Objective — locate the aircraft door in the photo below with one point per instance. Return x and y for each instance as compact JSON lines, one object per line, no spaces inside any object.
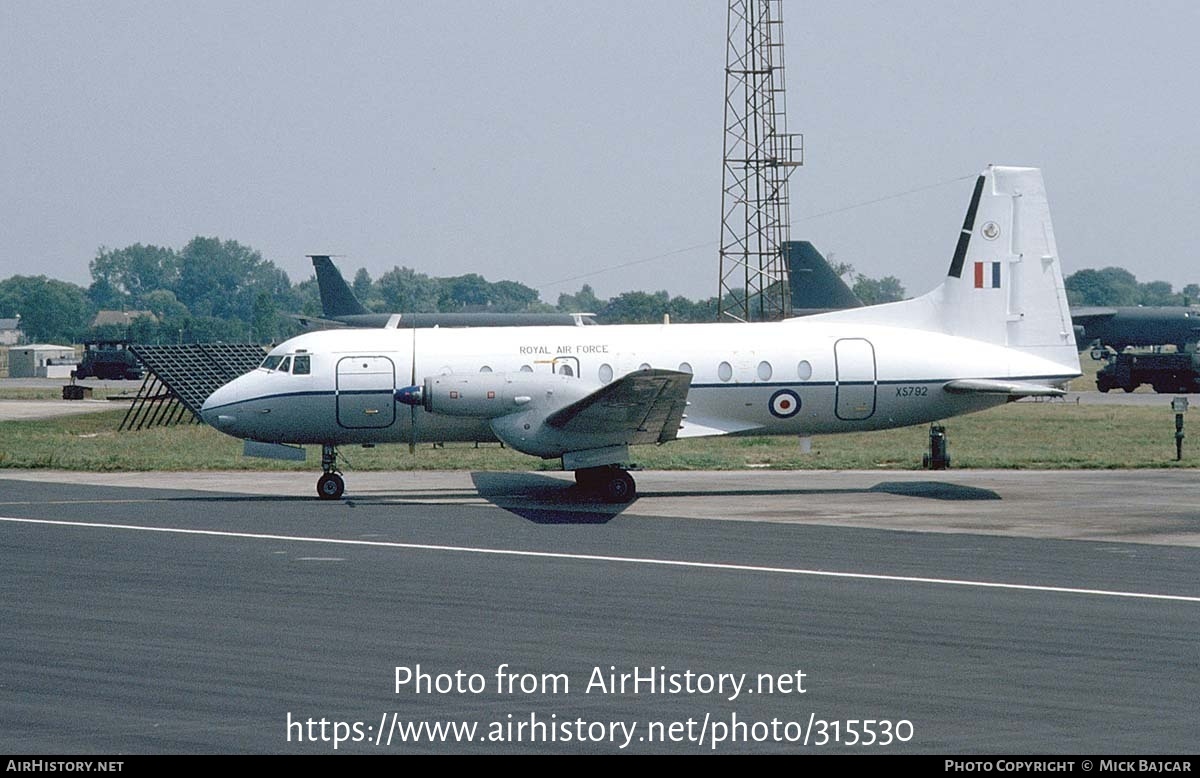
{"x":855,"y":361}
{"x":365,"y":392}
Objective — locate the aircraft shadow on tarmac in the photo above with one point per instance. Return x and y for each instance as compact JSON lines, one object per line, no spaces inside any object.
{"x":538,"y":498}
{"x":932,"y":490}
{"x":544,"y":500}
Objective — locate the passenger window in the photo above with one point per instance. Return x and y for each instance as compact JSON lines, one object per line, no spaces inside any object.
{"x":725,"y":371}
{"x":565,"y":370}
{"x":302,"y":365}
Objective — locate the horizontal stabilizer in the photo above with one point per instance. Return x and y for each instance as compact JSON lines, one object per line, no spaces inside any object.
{"x":1011,"y":388}
{"x":642,"y":407}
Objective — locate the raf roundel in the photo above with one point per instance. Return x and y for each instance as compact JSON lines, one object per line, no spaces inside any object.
{"x":785,"y":404}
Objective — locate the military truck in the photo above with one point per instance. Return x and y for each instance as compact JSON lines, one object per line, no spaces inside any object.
{"x":1177,"y":373}
{"x":109,"y":359}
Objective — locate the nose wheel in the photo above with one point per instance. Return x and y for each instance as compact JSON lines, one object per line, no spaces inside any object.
{"x":331,"y":485}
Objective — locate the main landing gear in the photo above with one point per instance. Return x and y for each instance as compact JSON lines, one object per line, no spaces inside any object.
{"x":613,"y":484}
{"x":330,"y":486}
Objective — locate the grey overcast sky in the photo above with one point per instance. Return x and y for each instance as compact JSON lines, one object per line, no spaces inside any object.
{"x":546,"y":141}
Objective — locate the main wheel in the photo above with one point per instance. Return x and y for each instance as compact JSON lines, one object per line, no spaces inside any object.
{"x":591,"y":479}
{"x":330,"y":486}
{"x":619,"y":488}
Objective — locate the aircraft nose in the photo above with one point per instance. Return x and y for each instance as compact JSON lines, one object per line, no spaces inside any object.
{"x":219,"y":410}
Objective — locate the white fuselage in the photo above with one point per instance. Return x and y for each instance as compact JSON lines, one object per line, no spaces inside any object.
{"x":799,"y":377}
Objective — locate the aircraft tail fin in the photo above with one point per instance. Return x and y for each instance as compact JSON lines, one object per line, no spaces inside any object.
{"x":1005,"y":283}
{"x":337,"y":299}
{"x":814,"y":284}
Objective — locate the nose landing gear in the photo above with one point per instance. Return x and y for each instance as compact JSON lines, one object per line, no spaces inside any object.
{"x":331,"y":485}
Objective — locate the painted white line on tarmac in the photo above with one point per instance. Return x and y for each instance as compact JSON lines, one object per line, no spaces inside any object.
{"x":618,"y":559}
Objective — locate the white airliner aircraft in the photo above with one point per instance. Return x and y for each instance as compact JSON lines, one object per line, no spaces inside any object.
{"x":997,"y":329}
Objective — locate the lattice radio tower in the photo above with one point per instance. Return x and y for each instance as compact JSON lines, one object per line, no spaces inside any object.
{"x":759,"y":156}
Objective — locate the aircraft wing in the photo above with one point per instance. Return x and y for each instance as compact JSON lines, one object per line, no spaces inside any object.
{"x":643,"y":407}
{"x":315,"y":322}
{"x":1089,"y":315}
{"x":1014,"y":389}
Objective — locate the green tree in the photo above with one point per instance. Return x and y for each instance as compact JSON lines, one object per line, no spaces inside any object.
{"x":636,"y":308}
{"x":104,"y":296}
{"x":51,"y":311}
{"x":367,"y":292}
{"x":404,"y":290}
{"x":362,"y":285}
{"x":265,"y":326}
{"x":144,"y":329}
{"x":512,"y":296}
{"x":125,"y":276}
{"x":875,"y":291}
{"x":684,"y":310}
{"x":470,"y":292}
{"x":1157,"y":293}
{"x":209,"y":329}
{"x":1110,"y":286}
{"x":222,"y":279}
{"x":305,"y":298}
{"x":162,"y":303}
{"x":583,"y":301}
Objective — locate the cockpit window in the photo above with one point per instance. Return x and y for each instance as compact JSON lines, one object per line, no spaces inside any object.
{"x":286,"y":365}
{"x":270,"y":363}
{"x":302,"y":365}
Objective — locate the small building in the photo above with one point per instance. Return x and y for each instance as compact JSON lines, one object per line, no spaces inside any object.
{"x":10,"y":331}
{"x":121,"y":318}
{"x":41,"y":360}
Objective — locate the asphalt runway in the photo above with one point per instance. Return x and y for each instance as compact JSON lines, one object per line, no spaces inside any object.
{"x":234,"y":615}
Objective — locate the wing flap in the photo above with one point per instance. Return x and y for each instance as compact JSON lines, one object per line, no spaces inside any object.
{"x":1013,"y":389}
{"x":642,"y":407}
{"x":700,"y":427}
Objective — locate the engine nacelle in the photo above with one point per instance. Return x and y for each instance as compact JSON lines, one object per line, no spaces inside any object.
{"x":492,"y":395}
